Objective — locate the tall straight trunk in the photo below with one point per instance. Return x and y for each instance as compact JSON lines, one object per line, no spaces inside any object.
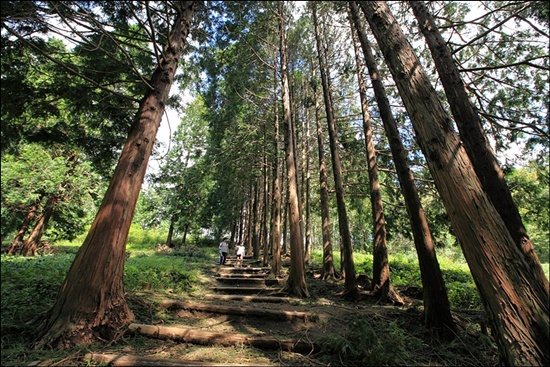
{"x":18,"y":240}
{"x":350,"y":284}
{"x":285,"y":213}
{"x":250,"y":221}
{"x":185,"y":231}
{"x":265,"y":215}
{"x":475,"y":142}
{"x":276,"y":202}
{"x":256,"y":220}
{"x":515,"y":299}
{"x":307,"y":185}
{"x":90,"y":304}
{"x":170,"y":232}
{"x":242,"y":219}
{"x":296,"y":281}
{"x":328,"y":258}
{"x":437,"y":309}
{"x":381,"y":282}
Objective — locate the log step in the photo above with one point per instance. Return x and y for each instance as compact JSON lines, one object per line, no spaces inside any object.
{"x":203,"y":337}
{"x":248,"y":281}
{"x":252,"y":298}
{"x":133,"y":360}
{"x":243,"y":275}
{"x":248,"y":290}
{"x":244,"y":270}
{"x":240,"y":311}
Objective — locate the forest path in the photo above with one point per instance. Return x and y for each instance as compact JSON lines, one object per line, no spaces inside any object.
{"x":246,"y":311}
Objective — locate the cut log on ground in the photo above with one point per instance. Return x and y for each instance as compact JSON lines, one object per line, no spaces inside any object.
{"x":131,"y":360}
{"x":202,"y":337}
{"x":240,"y":311}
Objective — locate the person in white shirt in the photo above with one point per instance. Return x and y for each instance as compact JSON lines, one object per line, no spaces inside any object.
{"x":224,"y":249}
{"x":240,"y":254}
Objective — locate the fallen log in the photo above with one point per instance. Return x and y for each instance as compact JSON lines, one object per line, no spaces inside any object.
{"x":203,"y":337}
{"x":240,"y":311}
{"x":132,"y":360}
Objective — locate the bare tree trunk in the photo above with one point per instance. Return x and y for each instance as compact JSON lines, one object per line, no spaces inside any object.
{"x":265,"y":215}
{"x":350,"y":285}
{"x":250,"y":221}
{"x":277,"y":202}
{"x":475,"y":142}
{"x":437,"y":310}
{"x":170,"y":233}
{"x":328,"y":259}
{"x":256,"y":220}
{"x":381,"y":282}
{"x":296,"y":281}
{"x":185,"y":231}
{"x":90,"y":304}
{"x":30,"y":246}
{"x":307,"y":178}
{"x":18,"y":240}
{"x":514,"y":298}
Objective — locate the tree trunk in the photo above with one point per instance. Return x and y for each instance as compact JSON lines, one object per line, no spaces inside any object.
{"x":514,"y":298}
{"x":30,"y":246}
{"x":296,"y":282}
{"x":185,"y":231}
{"x":17,"y":242}
{"x":307,"y":191}
{"x":276,"y":202}
{"x":381,"y":282}
{"x":437,"y":310}
{"x":256,"y":220}
{"x":250,"y":221}
{"x":170,"y":233}
{"x":90,"y":304}
{"x":350,"y":285}
{"x":475,"y":142}
{"x":328,"y":260}
{"x":265,"y":211}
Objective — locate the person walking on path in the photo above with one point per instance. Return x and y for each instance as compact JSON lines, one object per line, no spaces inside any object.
{"x":240,"y":254}
{"x":224,"y":249}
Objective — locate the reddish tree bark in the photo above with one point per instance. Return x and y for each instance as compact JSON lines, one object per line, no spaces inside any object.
{"x":515,"y":299}
{"x":90,"y":304}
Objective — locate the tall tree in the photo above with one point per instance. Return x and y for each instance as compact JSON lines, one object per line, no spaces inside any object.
{"x":381,"y":281}
{"x":276,"y":202}
{"x":515,"y":299}
{"x":472,"y":135}
{"x":437,"y":310}
{"x":91,"y":303}
{"x":328,"y":260}
{"x":350,"y":284}
{"x":296,"y":281}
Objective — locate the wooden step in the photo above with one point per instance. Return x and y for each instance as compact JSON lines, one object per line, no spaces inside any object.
{"x":244,"y":270}
{"x":204,"y":337}
{"x":240,"y":311}
{"x":133,"y":360}
{"x":247,"y":290}
{"x":248,"y":281}
{"x":250,"y":298}
{"x":243,"y":275}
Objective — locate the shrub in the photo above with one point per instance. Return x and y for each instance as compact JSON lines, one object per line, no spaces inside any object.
{"x":371,"y":343}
